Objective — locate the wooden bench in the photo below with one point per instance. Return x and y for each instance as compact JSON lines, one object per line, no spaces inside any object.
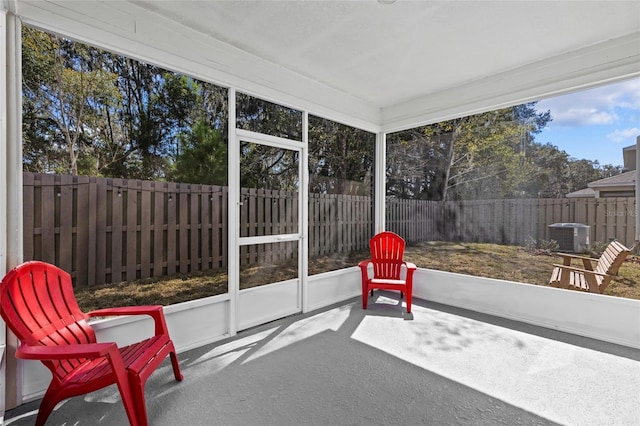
{"x":595,"y":274}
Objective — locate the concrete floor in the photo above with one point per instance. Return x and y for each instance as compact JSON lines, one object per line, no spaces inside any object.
{"x":346,"y":366}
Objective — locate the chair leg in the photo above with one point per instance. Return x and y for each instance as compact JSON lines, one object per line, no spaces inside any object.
{"x":137,"y":391}
{"x":176,"y":366}
{"x":408,"y":302}
{"x":365,"y":298}
{"x":129,"y":398}
{"x":47,"y":405}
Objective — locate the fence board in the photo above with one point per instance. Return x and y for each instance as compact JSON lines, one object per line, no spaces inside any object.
{"x":83,"y":214}
{"x":115,"y":195}
{"x":102,"y":253}
{"x":131,"y":230}
{"x":159,"y":232}
{"x":65,"y":222}
{"x":630,"y":215}
{"x":47,"y":218}
{"x":146,"y":233}
{"x":194,"y":228}
{"x":216,"y":238}
{"x":205,"y":228}
{"x":183,"y":229}
{"x":171,"y":203}
{"x":28,"y":200}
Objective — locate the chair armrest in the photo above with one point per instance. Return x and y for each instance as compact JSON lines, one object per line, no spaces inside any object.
{"x":364,"y":272}
{"x":410,"y":266}
{"x":154,"y":311}
{"x":364,"y":263}
{"x":585,"y":271}
{"x":126,"y":310}
{"x":87,"y":350}
{"x":574,"y":256}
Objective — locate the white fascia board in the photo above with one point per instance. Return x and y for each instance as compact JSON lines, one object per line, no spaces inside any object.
{"x":609,"y":186}
{"x":606,"y":62}
{"x":130,"y":30}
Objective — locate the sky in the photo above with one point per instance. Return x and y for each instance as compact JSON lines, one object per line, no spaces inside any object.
{"x":594,"y":124}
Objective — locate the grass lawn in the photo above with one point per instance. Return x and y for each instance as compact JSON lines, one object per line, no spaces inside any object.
{"x":480,"y":259}
{"x":511,"y":263}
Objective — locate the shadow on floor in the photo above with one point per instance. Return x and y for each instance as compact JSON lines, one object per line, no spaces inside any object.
{"x":345,"y":366}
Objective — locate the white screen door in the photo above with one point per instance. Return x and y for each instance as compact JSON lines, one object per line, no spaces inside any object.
{"x":270,"y":232}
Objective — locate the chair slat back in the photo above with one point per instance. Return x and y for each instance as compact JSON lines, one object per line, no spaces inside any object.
{"x":387,"y":251}
{"x":38,"y":304}
{"x":612,"y":258}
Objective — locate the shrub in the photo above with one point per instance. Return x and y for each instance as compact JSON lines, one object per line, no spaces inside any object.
{"x":549,"y":246}
{"x":531,"y":245}
{"x":597,"y":248}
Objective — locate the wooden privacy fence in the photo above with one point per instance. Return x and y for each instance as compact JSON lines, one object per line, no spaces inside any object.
{"x":511,"y":221}
{"x":339,"y":224}
{"x":111,"y":230}
{"x":414,"y":220}
{"x":106,"y":230}
{"x":609,"y":218}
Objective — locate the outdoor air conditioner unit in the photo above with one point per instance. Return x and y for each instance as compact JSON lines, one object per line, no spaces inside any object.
{"x":572,"y":237}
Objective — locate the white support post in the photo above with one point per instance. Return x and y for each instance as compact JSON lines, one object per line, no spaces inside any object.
{"x":233,"y":211}
{"x":637,"y":233}
{"x":11,"y":217}
{"x":380,"y":182}
{"x":303,"y":200}
{"x":11,"y":246}
{"x":4,"y":77}
{"x":3,"y":197}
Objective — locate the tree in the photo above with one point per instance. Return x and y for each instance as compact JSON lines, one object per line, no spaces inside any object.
{"x":580,"y":173}
{"x":88,"y":111}
{"x":202,"y":157}
{"x":341,"y":158}
{"x":267,"y":167}
{"x":62,"y":91}
{"x":548,"y":168}
{"x":139,"y":138}
{"x":416,"y":164}
{"x":266,"y":117}
{"x":479,"y":156}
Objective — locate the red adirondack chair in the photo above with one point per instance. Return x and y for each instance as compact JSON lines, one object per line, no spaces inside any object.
{"x":387,"y":251}
{"x":38,"y":304}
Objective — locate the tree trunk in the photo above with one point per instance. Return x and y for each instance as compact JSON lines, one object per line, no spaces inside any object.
{"x":450,"y":160}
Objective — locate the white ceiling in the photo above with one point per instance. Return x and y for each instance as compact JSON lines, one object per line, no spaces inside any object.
{"x":388,"y":53}
{"x":392,"y":60}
